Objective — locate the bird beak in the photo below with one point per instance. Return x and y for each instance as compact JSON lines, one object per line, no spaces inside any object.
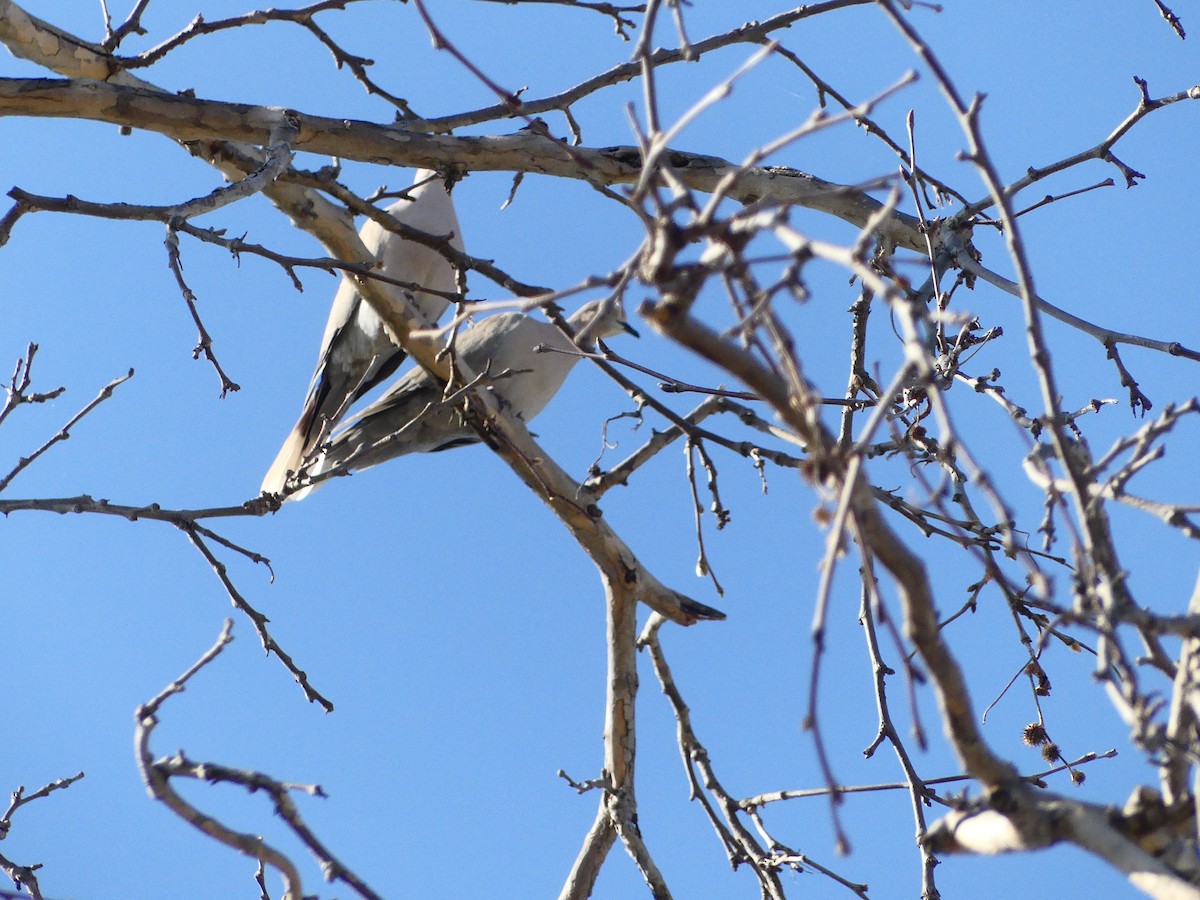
{"x":630,"y":329}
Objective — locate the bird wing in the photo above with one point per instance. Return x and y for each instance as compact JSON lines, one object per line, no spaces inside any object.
{"x":412,"y":417}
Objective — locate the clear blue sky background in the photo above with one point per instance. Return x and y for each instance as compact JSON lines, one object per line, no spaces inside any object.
{"x":448,"y":615}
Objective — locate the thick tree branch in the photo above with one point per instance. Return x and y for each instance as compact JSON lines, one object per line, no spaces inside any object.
{"x":188,"y":119}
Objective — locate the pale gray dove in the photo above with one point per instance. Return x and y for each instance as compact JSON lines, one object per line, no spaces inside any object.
{"x":524,"y":360}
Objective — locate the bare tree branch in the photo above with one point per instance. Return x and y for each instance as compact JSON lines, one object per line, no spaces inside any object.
{"x":187,"y":119}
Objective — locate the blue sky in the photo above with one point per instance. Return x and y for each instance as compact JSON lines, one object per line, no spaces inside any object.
{"x":448,"y":615}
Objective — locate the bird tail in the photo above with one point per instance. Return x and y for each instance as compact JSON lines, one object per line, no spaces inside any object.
{"x":309,"y":432}
{"x":287,"y":461}
{"x":295,"y":456}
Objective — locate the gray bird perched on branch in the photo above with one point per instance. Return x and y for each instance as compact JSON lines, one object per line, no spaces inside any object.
{"x":523,"y":359}
{"x":357,"y":352}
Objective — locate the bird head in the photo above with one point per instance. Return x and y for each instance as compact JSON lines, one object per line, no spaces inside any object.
{"x":600,"y":319}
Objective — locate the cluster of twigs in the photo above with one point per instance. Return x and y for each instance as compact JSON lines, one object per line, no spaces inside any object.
{"x":903,"y":414}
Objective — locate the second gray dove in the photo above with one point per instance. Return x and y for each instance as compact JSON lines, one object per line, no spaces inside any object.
{"x":524,"y":360}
